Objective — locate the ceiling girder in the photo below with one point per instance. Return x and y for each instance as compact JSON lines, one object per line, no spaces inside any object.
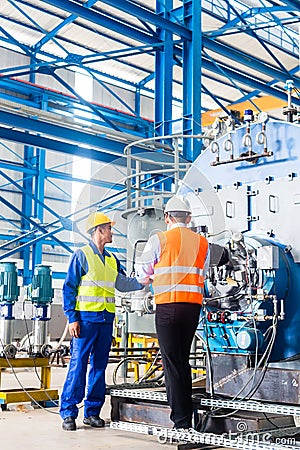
{"x":104,"y":21}
{"x":295,"y":4}
{"x":151,"y":17}
{"x":248,"y":60}
{"x":247,"y":80}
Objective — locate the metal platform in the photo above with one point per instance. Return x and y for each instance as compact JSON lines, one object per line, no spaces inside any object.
{"x":44,"y":394}
{"x":140,"y":394}
{"x":250,"y":441}
{"x":252,"y":406}
{"x":147,"y":412}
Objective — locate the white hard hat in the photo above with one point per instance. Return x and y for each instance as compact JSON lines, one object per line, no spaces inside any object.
{"x":177,"y":204}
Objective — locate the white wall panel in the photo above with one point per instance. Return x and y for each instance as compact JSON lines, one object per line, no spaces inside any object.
{"x":12,"y":59}
{"x":105,"y":98}
{"x":48,"y":81}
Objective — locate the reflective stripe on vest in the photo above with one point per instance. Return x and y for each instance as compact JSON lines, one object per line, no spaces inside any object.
{"x":178,"y":288}
{"x":178,"y":275}
{"x":97,"y":287}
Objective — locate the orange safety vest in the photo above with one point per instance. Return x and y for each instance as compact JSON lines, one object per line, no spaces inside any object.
{"x":178,"y":275}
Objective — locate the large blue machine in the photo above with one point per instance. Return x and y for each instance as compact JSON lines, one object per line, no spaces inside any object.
{"x":245,"y":195}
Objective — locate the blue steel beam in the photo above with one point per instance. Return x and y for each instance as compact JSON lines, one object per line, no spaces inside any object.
{"x":17,"y":168}
{"x":159,"y":81}
{"x":13,"y":86}
{"x":164,"y":75}
{"x":257,"y":37}
{"x":52,"y":174}
{"x":85,"y":102}
{"x":248,"y":60}
{"x":63,"y":103}
{"x":257,"y":63}
{"x":18,"y":44}
{"x":109,"y":90}
{"x":64,"y":133}
{"x":109,"y":156}
{"x":191,"y":66}
{"x":32,"y":222}
{"x":261,"y":26}
{"x":29,"y":194}
{"x":39,"y":193}
{"x":50,"y":35}
{"x":149,"y":16}
{"x":104,"y":21}
{"x":67,"y":177}
{"x":256,"y":93}
{"x":250,"y":13}
{"x":26,"y":206}
{"x":74,"y":58}
{"x":225,"y":18}
{"x":31,"y":20}
{"x":227,"y":111}
{"x":246,"y":57}
{"x":10,"y":70}
{"x":245,"y":79}
{"x":65,"y":40}
{"x":34,"y":241}
{"x":91,"y":106}
{"x":295,"y":4}
{"x":55,"y":145}
{"x":57,"y":175}
{"x":31,"y":242}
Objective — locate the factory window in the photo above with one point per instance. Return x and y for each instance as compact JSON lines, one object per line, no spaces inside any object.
{"x":84,"y":84}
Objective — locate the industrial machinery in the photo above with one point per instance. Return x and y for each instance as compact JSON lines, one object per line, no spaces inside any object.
{"x":41,"y":294}
{"x":251,"y":320}
{"x":139,"y":305}
{"x":244,"y":190}
{"x":9,"y":293}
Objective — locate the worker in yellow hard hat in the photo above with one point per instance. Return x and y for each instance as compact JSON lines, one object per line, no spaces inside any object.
{"x":95,"y":219}
{"x":89,"y":304}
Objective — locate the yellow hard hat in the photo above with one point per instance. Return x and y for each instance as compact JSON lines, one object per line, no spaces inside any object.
{"x":95,"y":219}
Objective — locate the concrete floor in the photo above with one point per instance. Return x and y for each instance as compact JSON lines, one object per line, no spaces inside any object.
{"x":23,"y":427}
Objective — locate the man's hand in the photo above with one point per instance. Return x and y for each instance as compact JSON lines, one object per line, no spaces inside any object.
{"x":74,"y":329}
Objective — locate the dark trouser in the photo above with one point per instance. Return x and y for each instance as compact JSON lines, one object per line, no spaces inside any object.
{"x":176,"y":324}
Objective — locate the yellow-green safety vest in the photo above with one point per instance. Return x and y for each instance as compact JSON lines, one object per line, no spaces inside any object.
{"x":97,"y":288}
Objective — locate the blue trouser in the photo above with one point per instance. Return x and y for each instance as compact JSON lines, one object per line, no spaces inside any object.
{"x":94,"y":342}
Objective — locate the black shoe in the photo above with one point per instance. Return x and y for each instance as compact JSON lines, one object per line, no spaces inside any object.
{"x":69,"y":424}
{"x":94,"y":421}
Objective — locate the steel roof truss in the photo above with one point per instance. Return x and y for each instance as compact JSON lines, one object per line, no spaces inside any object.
{"x":151,"y":17}
{"x":101,"y":19}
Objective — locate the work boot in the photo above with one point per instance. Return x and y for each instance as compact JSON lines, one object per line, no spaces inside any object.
{"x":94,"y":421}
{"x":69,"y":424}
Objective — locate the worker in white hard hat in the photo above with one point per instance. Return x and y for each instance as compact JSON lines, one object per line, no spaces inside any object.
{"x":175,"y":262}
{"x":89,"y":304}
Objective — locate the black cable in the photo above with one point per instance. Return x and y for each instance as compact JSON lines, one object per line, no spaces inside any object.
{"x":33,"y":359}
{"x":21,"y":385}
{"x":270,"y":421}
{"x":264,"y":357}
